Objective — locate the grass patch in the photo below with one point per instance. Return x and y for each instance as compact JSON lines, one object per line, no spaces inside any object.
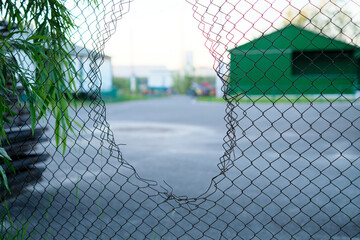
{"x":282,"y":99}
{"x":121,"y":98}
{"x":8,"y":230}
{"x":134,"y":97}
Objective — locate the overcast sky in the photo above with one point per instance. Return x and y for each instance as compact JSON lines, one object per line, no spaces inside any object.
{"x":161,"y":32}
{"x":158,"y":32}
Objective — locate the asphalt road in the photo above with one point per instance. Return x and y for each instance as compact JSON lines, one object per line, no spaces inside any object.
{"x":177,"y":140}
{"x":296,"y":174}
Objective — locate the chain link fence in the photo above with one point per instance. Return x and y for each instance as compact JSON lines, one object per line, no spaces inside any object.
{"x":290,"y":168}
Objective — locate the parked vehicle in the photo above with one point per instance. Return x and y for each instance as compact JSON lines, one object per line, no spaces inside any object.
{"x":202,"y":89}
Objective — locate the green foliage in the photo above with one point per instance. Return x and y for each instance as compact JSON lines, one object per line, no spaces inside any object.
{"x":131,"y":97}
{"x":208,"y":79}
{"x":122,"y":84}
{"x":178,"y":85}
{"x":333,"y":19}
{"x":5,"y":157}
{"x":182,"y":83}
{"x":39,"y":31}
{"x":12,"y":232}
{"x":46,"y":25}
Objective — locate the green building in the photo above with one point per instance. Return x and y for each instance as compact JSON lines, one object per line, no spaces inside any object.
{"x":294,"y":61}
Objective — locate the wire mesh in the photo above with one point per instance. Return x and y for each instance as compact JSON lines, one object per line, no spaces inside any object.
{"x":290,"y":168}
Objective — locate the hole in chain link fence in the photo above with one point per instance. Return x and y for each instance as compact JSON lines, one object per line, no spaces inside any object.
{"x":290,"y":162}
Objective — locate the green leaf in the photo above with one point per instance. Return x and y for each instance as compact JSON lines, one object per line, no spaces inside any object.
{"x":48,"y":49}
{"x":82,"y":128}
{"x":4,"y":154}
{"x":5,"y":157}
{"x":13,"y":33}
{"x":3,"y":175}
{"x":33,"y":37}
{"x":33,"y":117}
{"x":57,"y":130}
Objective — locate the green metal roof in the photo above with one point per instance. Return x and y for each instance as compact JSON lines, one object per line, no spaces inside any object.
{"x":294,"y":38}
{"x":357,"y":54}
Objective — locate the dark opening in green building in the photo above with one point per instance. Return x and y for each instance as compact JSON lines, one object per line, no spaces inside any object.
{"x":294,"y":61}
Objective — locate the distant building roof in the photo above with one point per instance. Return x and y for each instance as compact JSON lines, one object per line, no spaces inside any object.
{"x":85,"y":52}
{"x":139,"y":71}
{"x":294,"y":38}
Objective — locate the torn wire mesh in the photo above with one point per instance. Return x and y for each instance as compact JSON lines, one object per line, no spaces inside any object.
{"x":290,"y":167}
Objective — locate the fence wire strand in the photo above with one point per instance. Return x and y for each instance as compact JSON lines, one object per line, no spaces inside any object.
{"x":290,"y":168}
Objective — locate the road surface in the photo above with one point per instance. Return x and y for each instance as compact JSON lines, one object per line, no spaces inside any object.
{"x":296,"y":174}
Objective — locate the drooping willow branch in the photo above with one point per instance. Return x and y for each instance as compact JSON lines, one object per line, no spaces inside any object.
{"x":39,"y":31}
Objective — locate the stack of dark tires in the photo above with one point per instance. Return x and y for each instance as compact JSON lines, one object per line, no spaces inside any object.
{"x":20,"y":144}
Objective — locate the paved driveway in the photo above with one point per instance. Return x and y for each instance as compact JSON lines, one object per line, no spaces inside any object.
{"x":296,"y":174}
{"x":177,"y":140}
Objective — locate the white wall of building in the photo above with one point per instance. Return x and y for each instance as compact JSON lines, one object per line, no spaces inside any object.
{"x":106,"y":75}
{"x":160,"y":79}
{"x":87,"y":79}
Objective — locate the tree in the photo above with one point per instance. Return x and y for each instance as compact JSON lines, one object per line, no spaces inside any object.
{"x":330,"y":18}
{"x":40,"y":31}
{"x":182,"y":83}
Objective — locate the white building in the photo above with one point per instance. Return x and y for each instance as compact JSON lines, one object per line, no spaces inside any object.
{"x":160,"y":80}
{"x":90,"y":72}
{"x":155,"y":77}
